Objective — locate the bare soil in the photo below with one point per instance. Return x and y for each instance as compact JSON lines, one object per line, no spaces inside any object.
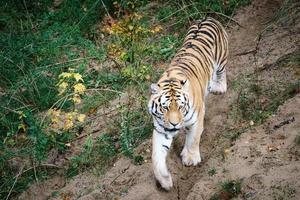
{"x":264,"y":158}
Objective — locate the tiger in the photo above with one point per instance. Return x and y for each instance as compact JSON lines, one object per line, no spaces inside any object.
{"x":177,"y":100}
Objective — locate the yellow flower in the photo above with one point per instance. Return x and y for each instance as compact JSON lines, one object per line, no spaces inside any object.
{"x":53,"y":112}
{"x":130,"y":27}
{"x":76,"y":99}
{"x":156,"y":29}
{"x":79,"y":88}
{"x":69,"y":116}
{"x":54,"y":120}
{"x":22,"y":127}
{"x":65,"y":75}
{"x":21,"y":114}
{"x":81,"y":117}
{"x":68,"y":124}
{"x":77,"y":77}
{"x":137,"y":16}
{"x":62,"y":87}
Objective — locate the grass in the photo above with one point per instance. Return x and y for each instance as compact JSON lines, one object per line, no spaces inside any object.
{"x":262,"y":92}
{"x":257,"y":101}
{"x":297,"y":139}
{"x":212,"y":171}
{"x":228,"y":190}
{"x":42,"y":39}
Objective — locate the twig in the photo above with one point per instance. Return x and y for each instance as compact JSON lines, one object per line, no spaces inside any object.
{"x":82,"y":136}
{"x":122,"y":172}
{"x":212,"y":12}
{"x":34,"y":170}
{"x":41,"y":165}
{"x":57,"y":102}
{"x":246,"y":52}
{"x":178,"y":190}
{"x":16,"y":179}
{"x":68,"y":61}
{"x":28,"y":16}
{"x":116,"y":63}
{"x":106,"y":10}
{"x":105,"y":89}
{"x":87,"y":12}
{"x":16,"y":112}
{"x":179,"y":10}
{"x":285,"y":122}
{"x":230,"y":18}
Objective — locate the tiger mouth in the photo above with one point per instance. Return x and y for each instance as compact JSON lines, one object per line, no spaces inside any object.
{"x":171,"y":129}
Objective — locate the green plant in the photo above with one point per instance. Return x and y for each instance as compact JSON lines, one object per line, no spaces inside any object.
{"x":138,"y":160}
{"x":297,"y":139}
{"x":95,"y":154}
{"x":134,"y":128}
{"x":39,"y":45}
{"x":232,"y":187}
{"x":212,"y":171}
{"x":229,"y":189}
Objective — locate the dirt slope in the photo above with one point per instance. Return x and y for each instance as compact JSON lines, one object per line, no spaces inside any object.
{"x":265,"y":159}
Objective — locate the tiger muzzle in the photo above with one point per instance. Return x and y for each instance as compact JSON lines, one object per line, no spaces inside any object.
{"x":171,"y":129}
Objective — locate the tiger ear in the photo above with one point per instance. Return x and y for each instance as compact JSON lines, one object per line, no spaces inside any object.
{"x":154,"y":88}
{"x":185,"y":85}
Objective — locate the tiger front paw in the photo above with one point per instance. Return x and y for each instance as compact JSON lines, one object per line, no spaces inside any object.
{"x":165,"y":181}
{"x":190,"y":158}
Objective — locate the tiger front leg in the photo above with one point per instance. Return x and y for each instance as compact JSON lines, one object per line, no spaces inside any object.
{"x":160,"y":145}
{"x":191,"y":153}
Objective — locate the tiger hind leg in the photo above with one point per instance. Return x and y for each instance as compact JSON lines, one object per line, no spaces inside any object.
{"x":218,"y":83}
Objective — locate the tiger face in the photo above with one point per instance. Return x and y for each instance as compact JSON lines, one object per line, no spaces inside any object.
{"x":169,"y":105}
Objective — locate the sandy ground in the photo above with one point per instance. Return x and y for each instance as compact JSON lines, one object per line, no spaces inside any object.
{"x":265,"y":158}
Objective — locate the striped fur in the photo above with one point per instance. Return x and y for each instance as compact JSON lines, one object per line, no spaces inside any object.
{"x":177,"y":100}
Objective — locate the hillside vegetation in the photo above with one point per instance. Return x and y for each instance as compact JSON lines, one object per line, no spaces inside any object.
{"x":62,"y":60}
{"x":74,"y":87}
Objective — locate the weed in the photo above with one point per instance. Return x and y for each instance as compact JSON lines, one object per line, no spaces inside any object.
{"x":297,"y":139}
{"x":232,"y":187}
{"x":99,"y":153}
{"x":212,"y":171}
{"x":229,"y":189}
{"x":138,"y":160}
{"x":256,"y":102}
{"x":55,"y":194}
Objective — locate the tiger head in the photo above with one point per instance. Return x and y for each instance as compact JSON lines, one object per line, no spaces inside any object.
{"x":169,"y":104}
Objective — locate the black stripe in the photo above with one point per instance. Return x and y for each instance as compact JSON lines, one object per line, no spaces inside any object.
{"x":208,"y":34}
{"x":156,"y":115}
{"x":203,"y":65}
{"x":158,"y":130}
{"x":188,"y":54}
{"x":191,"y":116}
{"x":187,"y":67}
{"x":166,"y":147}
{"x":200,"y":50}
{"x":161,"y":125}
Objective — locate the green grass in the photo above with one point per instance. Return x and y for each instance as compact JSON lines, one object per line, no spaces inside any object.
{"x":297,"y":139}
{"x":256,"y":102}
{"x":40,"y":40}
{"x":212,"y":171}
{"x":229,"y":189}
{"x":232,"y":187}
{"x":36,"y":46}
